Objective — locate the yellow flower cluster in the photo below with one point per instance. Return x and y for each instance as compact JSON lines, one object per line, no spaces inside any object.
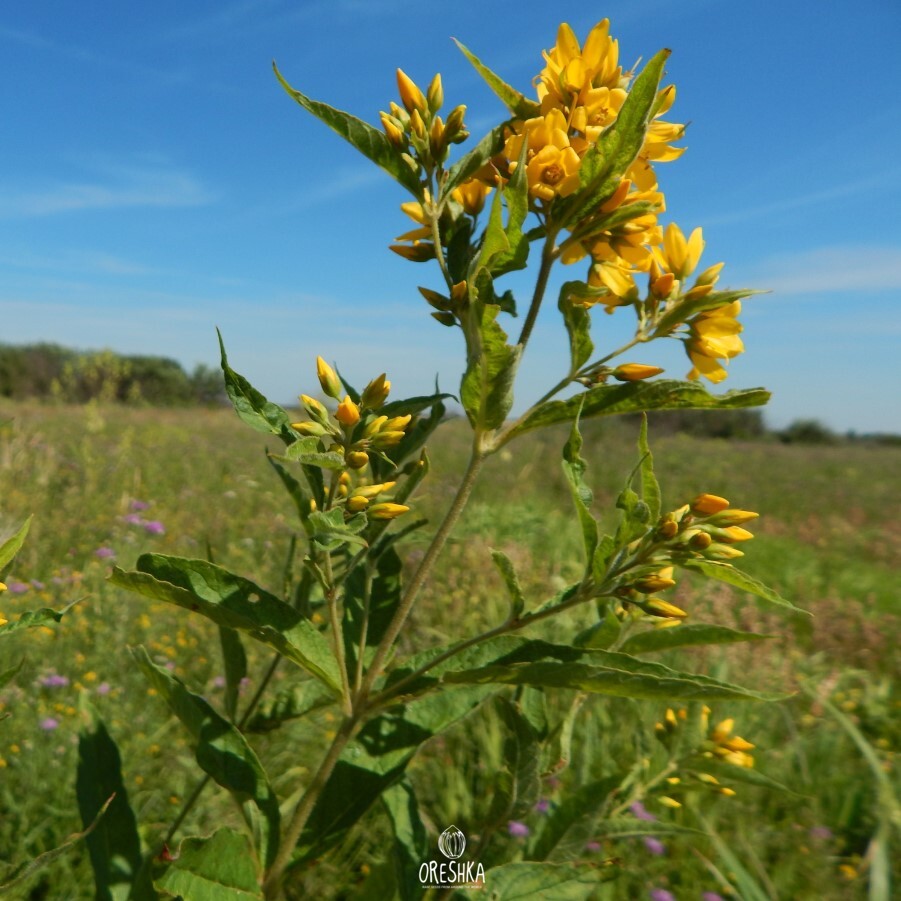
{"x":723,"y":745}
{"x":355,"y":430}
{"x":3,"y":619}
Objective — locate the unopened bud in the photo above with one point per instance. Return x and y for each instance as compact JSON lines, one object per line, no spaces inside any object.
{"x":728,"y":792}
{"x":348,"y":413}
{"x":309,"y":428}
{"x":708,"y":779}
{"x":732,"y":518}
{"x":375,"y":426}
{"x":410,"y":95}
{"x":398,"y":422}
{"x":669,"y":802}
{"x":669,"y":528}
{"x":435,"y":94}
{"x":356,"y":459}
{"x":417,"y":125}
{"x":373,"y":490}
{"x":387,"y":438}
{"x":650,"y":584}
{"x":393,"y":131}
{"x":315,"y":409}
{"x":447,"y":319}
{"x":733,"y":534}
{"x":387,"y":510}
{"x":663,"y":286}
{"x":700,"y":541}
{"x":437,"y":144}
{"x":455,"y":123}
{"x":328,"y":378}
{"x":438,"y":301}
{"x":420,"y":252}
{"x":659,"y":607}
{"x":375,"y":393}
{"x":357,"y":503}
{"x":635,"y":372}
{"x":707,"y":504}
{"x":718,"y":551}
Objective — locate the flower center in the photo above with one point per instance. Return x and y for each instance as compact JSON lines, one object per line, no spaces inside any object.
{"x":552,"y":174}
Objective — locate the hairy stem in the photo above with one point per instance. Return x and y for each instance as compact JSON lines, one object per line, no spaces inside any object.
{"x":548,"y":256}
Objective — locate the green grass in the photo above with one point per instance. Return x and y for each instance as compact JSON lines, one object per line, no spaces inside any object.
{"x":828,"y":539}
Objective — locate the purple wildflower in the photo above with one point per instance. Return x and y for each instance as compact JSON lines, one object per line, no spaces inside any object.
{"x":138,"y":505}
{"x":133,"y":519}
{"x":48,"y":724}
{"x":170,"y":665}
{"x":54,"y":680}
{"x":640,"y":811}
{"x":654,"y":846}
{"x":824,"y":833}
{"x":543,"y":806}
{"x":593,"y":847}
{"x":712,"y":896}
{"x":104,"y":553}
{"x":16,"y":587}
{"x":219,"y":682}
{"x":37,"y":585}
{"x":154,"y":527}
{"x":103,"y":688}
{"x":661,"y":894}
{"x":517,"y":829}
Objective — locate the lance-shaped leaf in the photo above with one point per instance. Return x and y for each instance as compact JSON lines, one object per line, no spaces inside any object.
{"x":625,"y":677}
{"x":368,"y":140}
{"x":223,"y":753}
{"x":684,"y":635}
{"x":486,"y":391}
{"x":13,"y":544}
{"x":411,"y":841}
{"x":607,"y":160}
{"x":514,"y":100}
{"x":505,"y":567}
{"x":218,"y":868}
{"x":635,"y":397}
{"x":650,"y":487}
{"x":526,"y":880}
{"x":725,"y":572}
{"x":691,"y":306}
{"x":235,"y":663}
{"x":113,"y":845}
{"x":491,"y":145}
{"x":235,"y":602}
{"x":32,"y":618}
{"x":516,"y":196}
{"x":577,"y":320}
{"x":574,"y":469}
{"x":251,"y":406}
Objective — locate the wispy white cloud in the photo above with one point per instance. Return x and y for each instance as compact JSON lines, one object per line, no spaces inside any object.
{"x":836,"y":268}
{"x":116,"y":188}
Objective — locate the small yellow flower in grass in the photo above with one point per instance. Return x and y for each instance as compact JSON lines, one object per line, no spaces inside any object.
{"x":348,"y":413}
{"x":387,"y":510}
{"x":672,"y":803}
{"x":635,"y":372}
{"x":713,"y":336}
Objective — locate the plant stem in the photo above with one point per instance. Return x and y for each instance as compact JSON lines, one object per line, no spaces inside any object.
{"x":434,"y":215}
{"x":304,"y":808}
{"x":425,"y":567}
{"x":331,"y":597}
{"x":548,"y":255}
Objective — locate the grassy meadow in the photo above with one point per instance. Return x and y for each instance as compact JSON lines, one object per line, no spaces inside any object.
{"x":106,"y":483}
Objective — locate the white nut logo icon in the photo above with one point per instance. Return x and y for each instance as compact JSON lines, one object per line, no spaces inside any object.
{"x":452,"y":842}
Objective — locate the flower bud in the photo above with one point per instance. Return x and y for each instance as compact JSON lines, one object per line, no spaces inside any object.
{"x":375,"y":393}
{"x":387,"y":510}
{"x":635,"y":372}
{"x":435,"y":94}
{"x":445,"y":318}
{"x":328,"y":378}
{"x":669,"y":528}
{"x":437,"y":144}
{"x":732,"y":518}
{"x":659,"y":607}
{"x":662,"y":287}
{"x":733,"y":534}
{"x":700,"y":541}
{"x":387,"y":438}
{"x":672,"y":803}
{"x":455,"y":124}
{"x":356,"y":459}
{"x":398,"y":422}
{"x":393,"y":131}
{"x":308,"y":428}
{"x":348,"y":413}
{"x":650,"y":584}
{"x":718,"y":551}
{"x":707,"y":504}
{"x":417,"y":126}
{"x":357,"y":503}
{"x":315,"y":409}
{"x":373,"y":490}
{"x":438,"y":301}
{"x":420,"y":252}
{"x":410,"y":95}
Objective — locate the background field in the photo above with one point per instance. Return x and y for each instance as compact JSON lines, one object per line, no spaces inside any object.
{"x":106,"y":483}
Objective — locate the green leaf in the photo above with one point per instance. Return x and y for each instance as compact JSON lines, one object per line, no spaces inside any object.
{"x":516,"y":102}
{"x":370,"y":601}
{"x":725,"y":572}
{"x":294,"y":488}
{"x":9,"y":674}
{"x":223,"y":753}
{"x":574,"y":468}
{"x":329,"y":529}
{"x":522,"y":753}
{"x":368,"y":140}
{"x":622,"y":676}
{"x":13,"y":544}
{"x":32,"y":618}
{"x":494,"y":241}
{"x":113,"y":845}
{"x":607,"y":160}
{"x":411,"y":842}
{"x":691,"y":306}
{"x":635,"y":397}
{"x":749,"y":889}
{"x":229,"y":600}
{"x":650,"y":487}
{"x":516,"y":196}
{"x":235,"y":661}
{"x":289,"y":703}
{"x":505,"y":567}
{"x":525,"y":881}
{"x":251,"y":406}
{"x":218,"y":868}
{"x":602,"y":634}
{"x":685,"y":635}
{"x":558,"y":749}
{"x":577,"y":320}
{"x":486,"y":391}
{"x":300,"y":452}
{"x":491,"y":145}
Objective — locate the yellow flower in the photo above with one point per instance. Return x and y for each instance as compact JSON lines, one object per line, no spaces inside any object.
{"x":713,"y":336}
{"x":348,"y":413}
{"x":552,"y":165}
{"x":708,"y":504}
{"x":678,"y":255}
{"x":728,"y":747}
{"x":375,"y":393}
{"x":471,"y":196}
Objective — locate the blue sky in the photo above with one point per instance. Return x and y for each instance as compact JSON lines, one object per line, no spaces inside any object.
{"x":156,"y":182}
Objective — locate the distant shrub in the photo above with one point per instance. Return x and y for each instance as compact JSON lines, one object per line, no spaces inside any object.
{"x":807,"y":431}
